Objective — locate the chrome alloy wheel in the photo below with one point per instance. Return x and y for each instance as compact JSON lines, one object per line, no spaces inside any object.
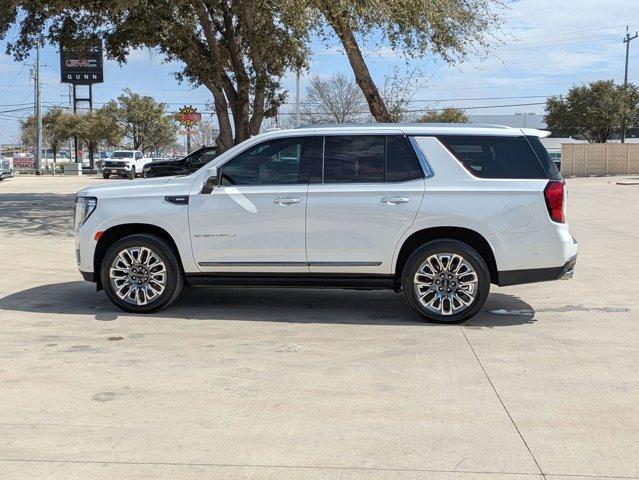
{"x":446,"y":283}
{"x":138,"y":275}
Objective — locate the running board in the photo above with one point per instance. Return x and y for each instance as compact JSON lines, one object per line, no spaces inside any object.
{"x":370,"y":282}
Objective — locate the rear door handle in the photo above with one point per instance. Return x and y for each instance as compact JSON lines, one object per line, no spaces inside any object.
{"x":395,"y":200}
{"x":287,"y":201}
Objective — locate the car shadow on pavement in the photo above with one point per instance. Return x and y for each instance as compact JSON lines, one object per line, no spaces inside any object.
{"x":36,"y":213}
{"x":262,"y":304}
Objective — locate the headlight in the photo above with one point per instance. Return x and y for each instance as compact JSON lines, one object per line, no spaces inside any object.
{"x":84,"y":207}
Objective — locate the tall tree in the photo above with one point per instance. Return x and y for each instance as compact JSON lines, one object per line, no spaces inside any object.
{"x":448,"y":29}
{"x":594,"y":111}
{"x":336,"y":99}
{"x":97,"y":127}
{"x":447,"y":115}
{"x":238,"y":49}
{"x":57,"y":127}
{"x":144,"y":123}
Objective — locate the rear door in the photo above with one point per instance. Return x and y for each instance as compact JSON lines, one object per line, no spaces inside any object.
{"x":361,"y":202}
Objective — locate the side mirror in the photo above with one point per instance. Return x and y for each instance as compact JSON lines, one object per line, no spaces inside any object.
{"x":210,"y":184}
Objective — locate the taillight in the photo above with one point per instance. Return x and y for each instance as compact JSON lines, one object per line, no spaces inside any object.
{"x":555,"y":195}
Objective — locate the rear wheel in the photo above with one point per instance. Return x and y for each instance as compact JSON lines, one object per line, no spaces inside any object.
{"x":141,"y":273}
{"x":446,"y":281}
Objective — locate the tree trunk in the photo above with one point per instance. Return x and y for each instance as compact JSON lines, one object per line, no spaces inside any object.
{"x":360,"y":69}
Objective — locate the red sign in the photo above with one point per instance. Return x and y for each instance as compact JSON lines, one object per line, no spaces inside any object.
{"x":188,"y":116}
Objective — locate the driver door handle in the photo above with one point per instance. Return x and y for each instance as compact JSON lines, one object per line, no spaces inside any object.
{"x":286,"y":201}
{"x":395,"y":200}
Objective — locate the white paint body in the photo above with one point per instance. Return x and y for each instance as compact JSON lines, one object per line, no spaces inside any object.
{"x":127,"y":160}
{"x":335,"y":228}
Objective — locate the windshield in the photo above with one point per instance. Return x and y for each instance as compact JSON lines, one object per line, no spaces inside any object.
{"x":122,"y":155}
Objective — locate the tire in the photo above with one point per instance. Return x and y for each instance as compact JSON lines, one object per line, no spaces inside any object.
{"x":105,"y":176}
{"x":468,"y":281}
{"x":131,"y":174}
{"x":129,"y":299}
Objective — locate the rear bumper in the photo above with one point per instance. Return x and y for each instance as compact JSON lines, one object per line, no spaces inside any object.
{"x":518,"y":277}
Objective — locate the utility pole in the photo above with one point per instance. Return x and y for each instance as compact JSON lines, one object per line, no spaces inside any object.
{"x":627,"y":39}
{"x":38,"y":114}
{"x":298,"y":114}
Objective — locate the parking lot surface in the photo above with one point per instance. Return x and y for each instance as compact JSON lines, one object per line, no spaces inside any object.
{"x":317,"y":384}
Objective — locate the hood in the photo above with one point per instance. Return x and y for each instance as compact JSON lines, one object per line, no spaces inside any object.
{"x":128,"y":188}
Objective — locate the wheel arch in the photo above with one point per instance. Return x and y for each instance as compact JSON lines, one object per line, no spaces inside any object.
{"x":117,"y":232}
{"x":470,"y":237}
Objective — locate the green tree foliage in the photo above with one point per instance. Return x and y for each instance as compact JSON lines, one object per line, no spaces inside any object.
{"x":593,"y":111}
{"x":97,"y":127}
{"x":142,"y":121}
{"x":237,"y":49}
{"x":57,"y":127}
{"x":447,"y":115}
{"x":448,"y":29}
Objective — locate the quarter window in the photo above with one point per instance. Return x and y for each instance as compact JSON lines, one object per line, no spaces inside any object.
{"x":496,"y":157}
{"x":274,"y":162}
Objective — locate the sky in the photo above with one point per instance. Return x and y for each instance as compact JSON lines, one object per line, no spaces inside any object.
{"x":546,"y":47}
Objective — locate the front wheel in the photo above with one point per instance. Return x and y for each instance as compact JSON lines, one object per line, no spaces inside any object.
{"x":132,"y":173}
{"x":446,"y":281}
{"x":105,"y":175}
{"x":141,"y":273}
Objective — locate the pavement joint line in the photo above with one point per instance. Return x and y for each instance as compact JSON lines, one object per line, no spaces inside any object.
{"x":512,"y":420}
{"x":264,"y":466}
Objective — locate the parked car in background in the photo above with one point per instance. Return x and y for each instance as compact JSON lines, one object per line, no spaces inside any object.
{"x":6,"y":168}
{"x":125,"y":163}
{"x":182,"y":166}
{"x":437,"y":212}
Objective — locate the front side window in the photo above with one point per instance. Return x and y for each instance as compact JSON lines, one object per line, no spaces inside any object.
{"x":495,"y":157}
{"x":138,"y":155}
{"x":280,"y":161}
{"x":354,"y":159}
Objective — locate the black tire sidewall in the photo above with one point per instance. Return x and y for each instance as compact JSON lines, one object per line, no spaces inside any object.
{"x":448,"y":246}
{"x":131,"y":173}
{"x":174,"y":280}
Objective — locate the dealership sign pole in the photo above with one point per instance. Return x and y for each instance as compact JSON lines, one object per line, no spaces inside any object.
{"x":81,"y":64}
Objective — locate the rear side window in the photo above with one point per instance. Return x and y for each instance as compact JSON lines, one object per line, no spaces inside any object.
{"x":369,"y":159}
{"x":354,"y":159}
{"x":496,"y":157}
{"x":401,"y":162}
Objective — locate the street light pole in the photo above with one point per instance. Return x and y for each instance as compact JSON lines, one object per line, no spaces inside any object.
{"x":627,"y":39}
{"x":38,"y":114}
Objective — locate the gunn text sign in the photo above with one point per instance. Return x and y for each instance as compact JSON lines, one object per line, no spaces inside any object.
{"x":81,"y":62}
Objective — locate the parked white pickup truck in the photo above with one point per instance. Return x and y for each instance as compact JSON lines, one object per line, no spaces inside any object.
{"x":125,"y":163}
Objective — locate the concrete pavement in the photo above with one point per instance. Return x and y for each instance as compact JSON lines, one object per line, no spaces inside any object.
{"x":317,"y":384}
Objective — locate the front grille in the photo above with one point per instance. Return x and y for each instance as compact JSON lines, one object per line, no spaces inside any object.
{"x":114,"y":164}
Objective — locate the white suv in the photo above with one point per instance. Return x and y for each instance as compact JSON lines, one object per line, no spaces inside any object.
{"x":436,"y":211}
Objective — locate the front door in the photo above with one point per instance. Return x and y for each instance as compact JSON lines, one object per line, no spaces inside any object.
{"x":254,"y":221}
{"x":369,"y":194}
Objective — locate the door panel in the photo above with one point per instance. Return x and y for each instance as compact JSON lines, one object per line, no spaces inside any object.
{"x":250,"y":229}
{"x":254,"y":220}
{"x":354,"y":228}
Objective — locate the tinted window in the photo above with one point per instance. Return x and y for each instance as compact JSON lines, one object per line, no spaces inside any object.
{"x":496,"y":157}
{"x":354,"y":159}
{"x":547,"y":163}
{"x":274,"y":162}
{"x":401,"y":162}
